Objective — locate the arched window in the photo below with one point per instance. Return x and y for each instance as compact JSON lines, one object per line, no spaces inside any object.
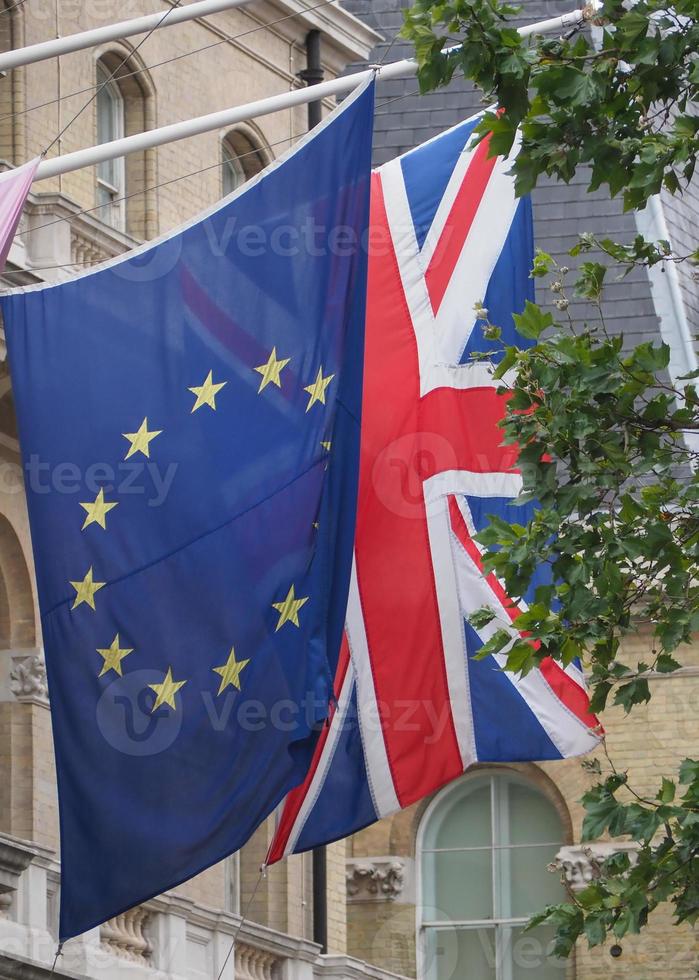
{"x":241,"y":159}
{"x":483,"y":846}
{"x":111,"y":174}
{"x":125,"y":105}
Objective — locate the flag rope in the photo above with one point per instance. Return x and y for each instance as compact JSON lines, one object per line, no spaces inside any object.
{"x":59,"y":952}
{"x":243,"y":920}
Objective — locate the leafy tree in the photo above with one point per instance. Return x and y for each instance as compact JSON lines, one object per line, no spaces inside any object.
{"x":608,"y":443}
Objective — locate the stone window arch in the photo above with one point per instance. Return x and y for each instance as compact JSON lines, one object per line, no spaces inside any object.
{"x":125,"y":105}
{"x":243,"y":155}
{"x":484,"y":845}
{"x":17,"y":622}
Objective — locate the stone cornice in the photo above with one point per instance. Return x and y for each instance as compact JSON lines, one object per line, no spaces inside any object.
{"x":336,"y":967}
{"x":348,"y":38}
{"x":15,"y":852}
{"x":19,"y":968}
{"x":262,"y":937}
{"x":355,"y":38}
{"x":15,"y":855}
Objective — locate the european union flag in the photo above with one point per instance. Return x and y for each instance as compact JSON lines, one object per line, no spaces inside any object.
{"x":189,"y":422}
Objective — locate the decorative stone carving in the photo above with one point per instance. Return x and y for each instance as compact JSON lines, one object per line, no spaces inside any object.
{"x":581,"y":863}
{"x":28,"y":676}
{"x":372,"y":879}
{"x":255,"y":964}
{"x":126,"y":936}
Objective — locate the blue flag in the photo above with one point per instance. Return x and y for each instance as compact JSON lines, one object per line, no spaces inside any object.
{"x":189,"y":422}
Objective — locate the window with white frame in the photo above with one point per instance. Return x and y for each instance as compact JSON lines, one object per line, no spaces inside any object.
{"x":241,"y":159}
{"x":484,"y":847}
{"x":111,"y":174}
{"x":231,"y":874}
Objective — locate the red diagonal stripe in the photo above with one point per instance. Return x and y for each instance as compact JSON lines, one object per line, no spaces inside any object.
{"x":394,"y":560}
{"x":562,"y":685}
{"x":458,"y":225}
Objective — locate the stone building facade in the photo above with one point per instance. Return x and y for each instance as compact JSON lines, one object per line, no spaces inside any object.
{"x":392,"y":866}
{"x":70,"y":223}
{"x":449,"y":881}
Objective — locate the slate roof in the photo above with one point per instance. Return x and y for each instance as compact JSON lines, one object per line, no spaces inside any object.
{"x":561,"y":212}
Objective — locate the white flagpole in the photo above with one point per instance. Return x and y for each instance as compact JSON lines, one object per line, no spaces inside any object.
{"x":113,"y":32}
{"x":229,"y":117}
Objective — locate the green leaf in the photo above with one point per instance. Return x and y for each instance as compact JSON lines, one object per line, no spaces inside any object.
{"x":598,"y":815}
{"x":595,"y":930}
{"x":591,"y":279}
{"x":666,"y":794}
{"x":480,"y":618}
{"x":508,"y":361}
{"x":521,"y":658}
{"x":533,"y":321}
{"x":635,"y":692}
{"x":689,"y":771}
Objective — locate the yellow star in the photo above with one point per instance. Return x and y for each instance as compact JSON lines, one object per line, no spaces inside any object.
{"x":271,"y":371}
{"x":112,"y":657}
{"x":86,"y":590}
{"x":166,"y":691}
{"x":230,"y":672}
{"x":289,"y":609}
{"x":327,"y":446}
{"x":97,"y":511}
{"x":206,"y":393}
{"x":318,"y":388}
{"x":140,"y":440}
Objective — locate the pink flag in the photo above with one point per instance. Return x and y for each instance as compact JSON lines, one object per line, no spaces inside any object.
{"x":14,"y":187}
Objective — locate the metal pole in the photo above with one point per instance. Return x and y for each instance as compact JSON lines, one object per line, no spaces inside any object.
{"x":112,"y":32}
{"x":313,"y":74}
{"x":229,"y":117}
{"x":195,"y":127}
{"x":320,"y":898}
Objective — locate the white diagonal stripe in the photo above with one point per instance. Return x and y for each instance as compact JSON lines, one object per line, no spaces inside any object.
{"x":381,"y":784}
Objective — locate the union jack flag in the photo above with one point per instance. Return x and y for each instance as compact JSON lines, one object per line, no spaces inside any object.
{"x":414,"y":709}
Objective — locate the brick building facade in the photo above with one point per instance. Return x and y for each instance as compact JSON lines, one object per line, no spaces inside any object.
{"x":70,"y":223}
{"x":394,"y":902}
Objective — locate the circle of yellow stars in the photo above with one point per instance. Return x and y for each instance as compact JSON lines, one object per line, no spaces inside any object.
{"x":96,"y":512}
